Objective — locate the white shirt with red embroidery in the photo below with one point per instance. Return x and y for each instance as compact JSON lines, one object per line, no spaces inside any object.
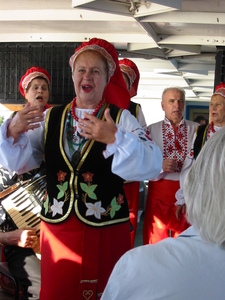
{"x":174,"y":144}
{"x":131,"y":150}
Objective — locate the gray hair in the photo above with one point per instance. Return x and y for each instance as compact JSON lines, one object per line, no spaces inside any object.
{"x":177,"y":88}
{"x":204,"y":190}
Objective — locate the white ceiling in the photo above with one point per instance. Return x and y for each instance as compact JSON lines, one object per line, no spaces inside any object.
{"x":173,"y":42}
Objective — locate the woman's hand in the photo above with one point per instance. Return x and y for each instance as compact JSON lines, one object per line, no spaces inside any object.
{"x":25,"y":238}
{"x":27,"y":118}
{"x":98,"y":130}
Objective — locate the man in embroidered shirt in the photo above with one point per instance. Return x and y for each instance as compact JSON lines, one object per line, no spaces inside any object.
{"x":174,"y":136}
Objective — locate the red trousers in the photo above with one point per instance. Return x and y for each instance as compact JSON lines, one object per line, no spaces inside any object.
{"x":131,"y":190}
{"x":160,"y":220}
{"x":76,"y":259}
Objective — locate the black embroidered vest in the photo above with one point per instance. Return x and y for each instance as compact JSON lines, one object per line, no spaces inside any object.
{"x":133,"y":108}
{"x":91,"y":190}
{"x":201,"y":138}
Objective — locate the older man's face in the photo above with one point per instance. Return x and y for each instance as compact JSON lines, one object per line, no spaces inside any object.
{"x":173,"y":105}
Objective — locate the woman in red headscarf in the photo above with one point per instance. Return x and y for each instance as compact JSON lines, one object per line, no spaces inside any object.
{"x":203,"y":133}
{"x":131,"y":77}
{"x":217,"y":117}
{"x":18,"y":243}
{"x":34,"y":86}
{"x":91,"y":146}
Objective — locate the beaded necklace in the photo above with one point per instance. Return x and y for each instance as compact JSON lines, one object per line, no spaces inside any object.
{"x":94,"y":112}
{"x":74,"y":139}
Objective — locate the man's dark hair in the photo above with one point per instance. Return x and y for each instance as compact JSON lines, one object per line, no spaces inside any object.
{"x":199,"y":118}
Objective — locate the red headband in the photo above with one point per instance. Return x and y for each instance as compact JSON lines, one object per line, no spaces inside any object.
{"x":116,"y":91}
{"x":128,"y":67}
{"x":31,"y":74}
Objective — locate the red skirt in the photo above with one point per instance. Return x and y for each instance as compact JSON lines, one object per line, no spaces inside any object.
{"x":76,"y":260}
{"x":131,"y":190}
{"x":160,"y":220}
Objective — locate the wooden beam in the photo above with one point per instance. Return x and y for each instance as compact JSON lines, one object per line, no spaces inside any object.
{"x":13,"y":107}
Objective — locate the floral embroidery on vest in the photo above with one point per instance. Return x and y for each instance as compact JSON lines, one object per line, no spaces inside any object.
{"x":175,"y":142}
{"x":96,"y":209}
{"x":56,"y":207}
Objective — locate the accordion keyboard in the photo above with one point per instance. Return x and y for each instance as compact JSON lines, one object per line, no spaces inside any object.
{"x":24,"y":205}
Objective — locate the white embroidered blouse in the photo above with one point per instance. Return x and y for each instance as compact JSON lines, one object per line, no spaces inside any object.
{"x":134,"y":158}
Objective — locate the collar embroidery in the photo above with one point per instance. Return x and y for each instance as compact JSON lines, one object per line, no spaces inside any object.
{"x":210,"y":131}
{"x":175,"y":142}
{"x":74,"y":140}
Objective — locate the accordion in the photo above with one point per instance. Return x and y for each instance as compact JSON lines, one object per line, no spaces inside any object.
{"x":24,"y":204}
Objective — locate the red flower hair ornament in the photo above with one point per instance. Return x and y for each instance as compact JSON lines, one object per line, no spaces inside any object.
{"x":31,"y":74}
{"x":128,"y":67}
{"x":116,"y":91}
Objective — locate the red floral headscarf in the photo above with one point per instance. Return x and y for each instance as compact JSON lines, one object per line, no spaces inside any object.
{"x":116,"y":91}
{"x":128,"y":67}
{"x":220,"y":90}
{"x":31,"y":74}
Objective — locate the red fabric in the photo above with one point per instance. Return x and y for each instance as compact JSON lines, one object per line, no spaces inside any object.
{"x":72,"y":251}
{"x":47,"y":106}
{"x":132,"y":194}
{"x":160,"y":211}
{"x":130,"y":64}
{"x":28,"y":73}
{"x":116,"y":91}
